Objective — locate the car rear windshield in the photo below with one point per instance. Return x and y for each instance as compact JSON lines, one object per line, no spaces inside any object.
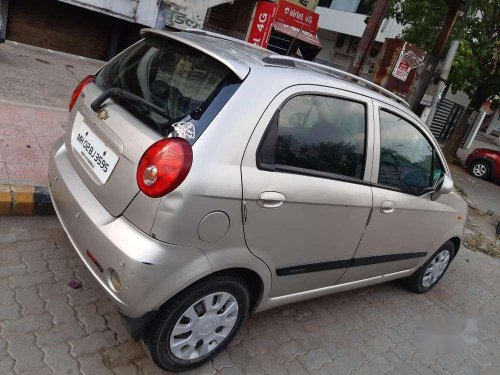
{"x":189,"y":86}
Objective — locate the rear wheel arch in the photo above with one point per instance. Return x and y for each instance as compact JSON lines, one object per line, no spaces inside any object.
{"x":252,"y":279}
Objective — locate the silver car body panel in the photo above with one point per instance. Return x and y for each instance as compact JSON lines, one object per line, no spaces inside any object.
{"x":326,"y":215}
{"x":158,"y":238}
{"x":151,"y":271}
{"x":426,"y":219}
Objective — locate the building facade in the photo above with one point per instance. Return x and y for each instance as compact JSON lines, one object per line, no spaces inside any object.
{"x":341,"y":25}
{"x":95,"y":28}
{"x":102,"y":28}
{"x":78,"y":29}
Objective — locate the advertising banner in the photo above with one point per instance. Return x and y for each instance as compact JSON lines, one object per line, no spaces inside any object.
{"x":297,"y":16}
{"x":407,"y":61}
{"x":261,"y":27}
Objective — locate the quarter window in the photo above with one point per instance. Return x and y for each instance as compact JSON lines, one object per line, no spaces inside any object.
{"x":408,"y":161}
{"x":320,"y":134}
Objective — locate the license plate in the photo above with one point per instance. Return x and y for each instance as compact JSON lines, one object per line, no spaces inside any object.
{"x":94,"y":152}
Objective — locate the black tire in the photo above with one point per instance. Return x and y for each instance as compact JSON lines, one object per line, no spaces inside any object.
{"x":487,"y":169}
{"x":415,"y":281}
{"x":156,"y":339}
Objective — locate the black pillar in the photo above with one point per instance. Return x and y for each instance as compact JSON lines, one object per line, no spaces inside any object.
{"x":4,"y":10}
{"x":114,"y":39}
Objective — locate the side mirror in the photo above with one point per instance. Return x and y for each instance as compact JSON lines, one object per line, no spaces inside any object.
{"x":443,"y":186}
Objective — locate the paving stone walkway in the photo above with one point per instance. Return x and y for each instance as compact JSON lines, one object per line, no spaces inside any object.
{"x":35,"y":89}
{"x":26,"y":138}
{"x":49,"y":328}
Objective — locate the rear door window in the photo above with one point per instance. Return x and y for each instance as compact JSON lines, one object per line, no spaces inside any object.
{"x":188,"y":85}
{"x":318,"y":135}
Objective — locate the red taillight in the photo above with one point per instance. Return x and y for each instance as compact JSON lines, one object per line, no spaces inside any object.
{"x":78,"y":90}
{"x":164,"y":166}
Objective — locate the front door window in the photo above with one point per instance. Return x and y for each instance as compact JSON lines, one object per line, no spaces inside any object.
{"x":408,"y":162}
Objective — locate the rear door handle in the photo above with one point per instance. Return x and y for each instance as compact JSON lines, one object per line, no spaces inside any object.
{"x":271,"y":199}
{"x":388,"y":207}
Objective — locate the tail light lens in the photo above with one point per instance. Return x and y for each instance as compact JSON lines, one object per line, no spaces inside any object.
{"x":164,"y":166}
{"x":79,"y":89}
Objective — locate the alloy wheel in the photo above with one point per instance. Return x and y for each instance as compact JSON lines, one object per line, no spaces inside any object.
{"x":204,"y":326}
{"x":479,"y":170}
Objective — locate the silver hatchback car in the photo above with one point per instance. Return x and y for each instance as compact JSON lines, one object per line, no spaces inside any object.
{"x":201,"y":178}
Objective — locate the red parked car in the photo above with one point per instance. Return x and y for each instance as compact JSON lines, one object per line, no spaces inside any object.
{"x":484,"y":163}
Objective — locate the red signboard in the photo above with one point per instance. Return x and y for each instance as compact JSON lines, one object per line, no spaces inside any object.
{"x":294,"y":15}
{"x":402,"y":70}
{"x":406,"y":62}
{"x":263,"y":19}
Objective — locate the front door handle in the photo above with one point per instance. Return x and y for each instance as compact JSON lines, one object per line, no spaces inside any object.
{"x":388,"y":207}
{"x":271,"y":199}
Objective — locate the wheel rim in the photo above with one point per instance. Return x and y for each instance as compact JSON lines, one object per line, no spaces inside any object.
{"x":479,"y":170}
{"x":436,"y":268}
{"x":204,"y":326}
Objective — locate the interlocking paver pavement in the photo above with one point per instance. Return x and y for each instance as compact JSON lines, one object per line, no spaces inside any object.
{"x":35,"y":91}
{"x":47,"y":327}
{"x":26,"y":138}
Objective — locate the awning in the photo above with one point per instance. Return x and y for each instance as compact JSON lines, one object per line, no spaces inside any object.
{"x":297,"y":33}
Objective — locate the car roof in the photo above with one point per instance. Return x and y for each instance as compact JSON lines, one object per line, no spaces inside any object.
{"x":241,"y":57}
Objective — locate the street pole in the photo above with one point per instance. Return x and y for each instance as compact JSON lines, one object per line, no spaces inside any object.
{"x":368,"y":37}
{"x":428,"y":69}
{"x":442,"y":80}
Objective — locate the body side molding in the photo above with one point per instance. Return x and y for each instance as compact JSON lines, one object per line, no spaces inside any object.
{"x":353,"y":262}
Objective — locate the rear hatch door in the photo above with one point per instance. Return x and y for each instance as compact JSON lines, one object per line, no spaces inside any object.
{"x":105,"y":151}
{"x":185,"y":82}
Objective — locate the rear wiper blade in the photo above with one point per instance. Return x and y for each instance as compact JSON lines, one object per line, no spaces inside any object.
{"x":115,"y":91}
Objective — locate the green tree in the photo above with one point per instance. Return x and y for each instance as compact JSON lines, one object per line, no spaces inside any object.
{"x":476,"y":66}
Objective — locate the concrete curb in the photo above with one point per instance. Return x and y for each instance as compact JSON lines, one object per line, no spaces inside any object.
{"x":25,"y":200}
{"x":29,"y":47}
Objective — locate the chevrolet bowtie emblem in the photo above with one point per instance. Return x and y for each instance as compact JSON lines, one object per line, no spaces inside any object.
{"x":103,"y":114}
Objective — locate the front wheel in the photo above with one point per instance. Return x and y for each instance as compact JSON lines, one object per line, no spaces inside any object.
{"x":427,"y":276}
{"x":197,"y":324}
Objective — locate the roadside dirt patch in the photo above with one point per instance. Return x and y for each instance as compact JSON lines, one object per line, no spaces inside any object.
{"x":480,"y":233}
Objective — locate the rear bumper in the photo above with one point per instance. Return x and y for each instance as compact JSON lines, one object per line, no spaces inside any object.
{"x":150,"y":271}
